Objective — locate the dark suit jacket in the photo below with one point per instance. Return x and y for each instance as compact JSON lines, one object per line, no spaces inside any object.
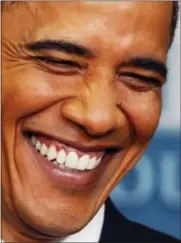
{"x":117,"y":228}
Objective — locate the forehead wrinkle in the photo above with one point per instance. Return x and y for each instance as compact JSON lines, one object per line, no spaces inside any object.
{"x":25,"y":30}
{"x":37,"y":27}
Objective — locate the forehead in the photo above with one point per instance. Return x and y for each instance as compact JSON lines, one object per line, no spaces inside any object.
{"x":104,"y":23}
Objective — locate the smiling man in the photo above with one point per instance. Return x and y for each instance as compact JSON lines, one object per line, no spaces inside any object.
{"x":81,"y":99}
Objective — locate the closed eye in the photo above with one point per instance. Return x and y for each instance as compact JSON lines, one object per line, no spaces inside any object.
{"x":140,"y":82}
{"x":58,"y":62}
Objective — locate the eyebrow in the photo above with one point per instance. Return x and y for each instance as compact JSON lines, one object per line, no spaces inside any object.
{"x":63,"y":46}
{"x":148,"y":63}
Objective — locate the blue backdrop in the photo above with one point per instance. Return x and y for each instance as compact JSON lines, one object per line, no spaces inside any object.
{"x":150,"y":194}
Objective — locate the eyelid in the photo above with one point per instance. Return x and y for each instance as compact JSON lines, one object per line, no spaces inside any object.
{"x":58,"y":61}
{"x":145,"y":78}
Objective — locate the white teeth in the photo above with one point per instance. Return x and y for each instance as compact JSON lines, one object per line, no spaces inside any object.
{"x":83,"y":162}
{"x":33,"y":139}
{"x":38,"y":145}
{"x":61,"y":156}
{"x":71,"y":160}
{"x":92,"y":163}
{"x":52,"y":153}
{"x":44,"y":149}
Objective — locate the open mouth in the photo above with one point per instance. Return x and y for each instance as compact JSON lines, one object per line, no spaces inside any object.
{"x":65,"y":156}
{"x":67,"y":163}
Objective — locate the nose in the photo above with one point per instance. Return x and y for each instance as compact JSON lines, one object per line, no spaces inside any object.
{"x":95,"y":110}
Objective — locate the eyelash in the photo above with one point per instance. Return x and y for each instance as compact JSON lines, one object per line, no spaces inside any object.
{"x":140,"y":81}
{"x":133,"y":80}
{"x":58,"y":62}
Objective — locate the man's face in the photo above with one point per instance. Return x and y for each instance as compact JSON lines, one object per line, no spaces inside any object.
{"x":83,"y":81}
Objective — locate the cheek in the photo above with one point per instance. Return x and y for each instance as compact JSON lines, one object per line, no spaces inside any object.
{"x":30,"y":91}
{"x":22,"y":94}
{"x":143,"y":110}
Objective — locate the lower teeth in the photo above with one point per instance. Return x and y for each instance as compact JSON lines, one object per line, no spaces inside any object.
{"x":62,"y":166}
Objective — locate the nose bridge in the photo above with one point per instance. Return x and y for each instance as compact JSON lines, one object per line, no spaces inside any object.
{"x":95,"y":108}
{"x":100,"y":99}
{"x":100,"y":105}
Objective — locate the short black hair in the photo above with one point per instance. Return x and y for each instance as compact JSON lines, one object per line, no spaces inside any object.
{"x":175,"y":13}
{"x":172,"y":27}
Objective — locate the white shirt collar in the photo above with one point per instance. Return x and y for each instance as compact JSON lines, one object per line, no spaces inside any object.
{"x":91,"y":232}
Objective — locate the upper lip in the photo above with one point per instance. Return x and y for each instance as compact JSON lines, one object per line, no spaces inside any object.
{"x":79,"y":146}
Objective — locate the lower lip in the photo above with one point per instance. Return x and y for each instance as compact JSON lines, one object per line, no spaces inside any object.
{"x":68,"y":177}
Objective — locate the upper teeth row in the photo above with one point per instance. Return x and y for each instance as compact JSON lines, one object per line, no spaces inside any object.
{"x":70,"y":160}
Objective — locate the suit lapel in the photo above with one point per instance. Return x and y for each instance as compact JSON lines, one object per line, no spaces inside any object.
{"x":113,"y":222}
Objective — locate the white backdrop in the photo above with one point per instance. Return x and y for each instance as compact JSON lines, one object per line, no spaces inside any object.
{"x":171,"y":107}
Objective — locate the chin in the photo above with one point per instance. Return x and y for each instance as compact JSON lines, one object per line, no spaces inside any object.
{"x":52,"y":220}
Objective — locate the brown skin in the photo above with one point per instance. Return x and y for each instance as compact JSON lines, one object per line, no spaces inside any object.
{"x":93,"y":105}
